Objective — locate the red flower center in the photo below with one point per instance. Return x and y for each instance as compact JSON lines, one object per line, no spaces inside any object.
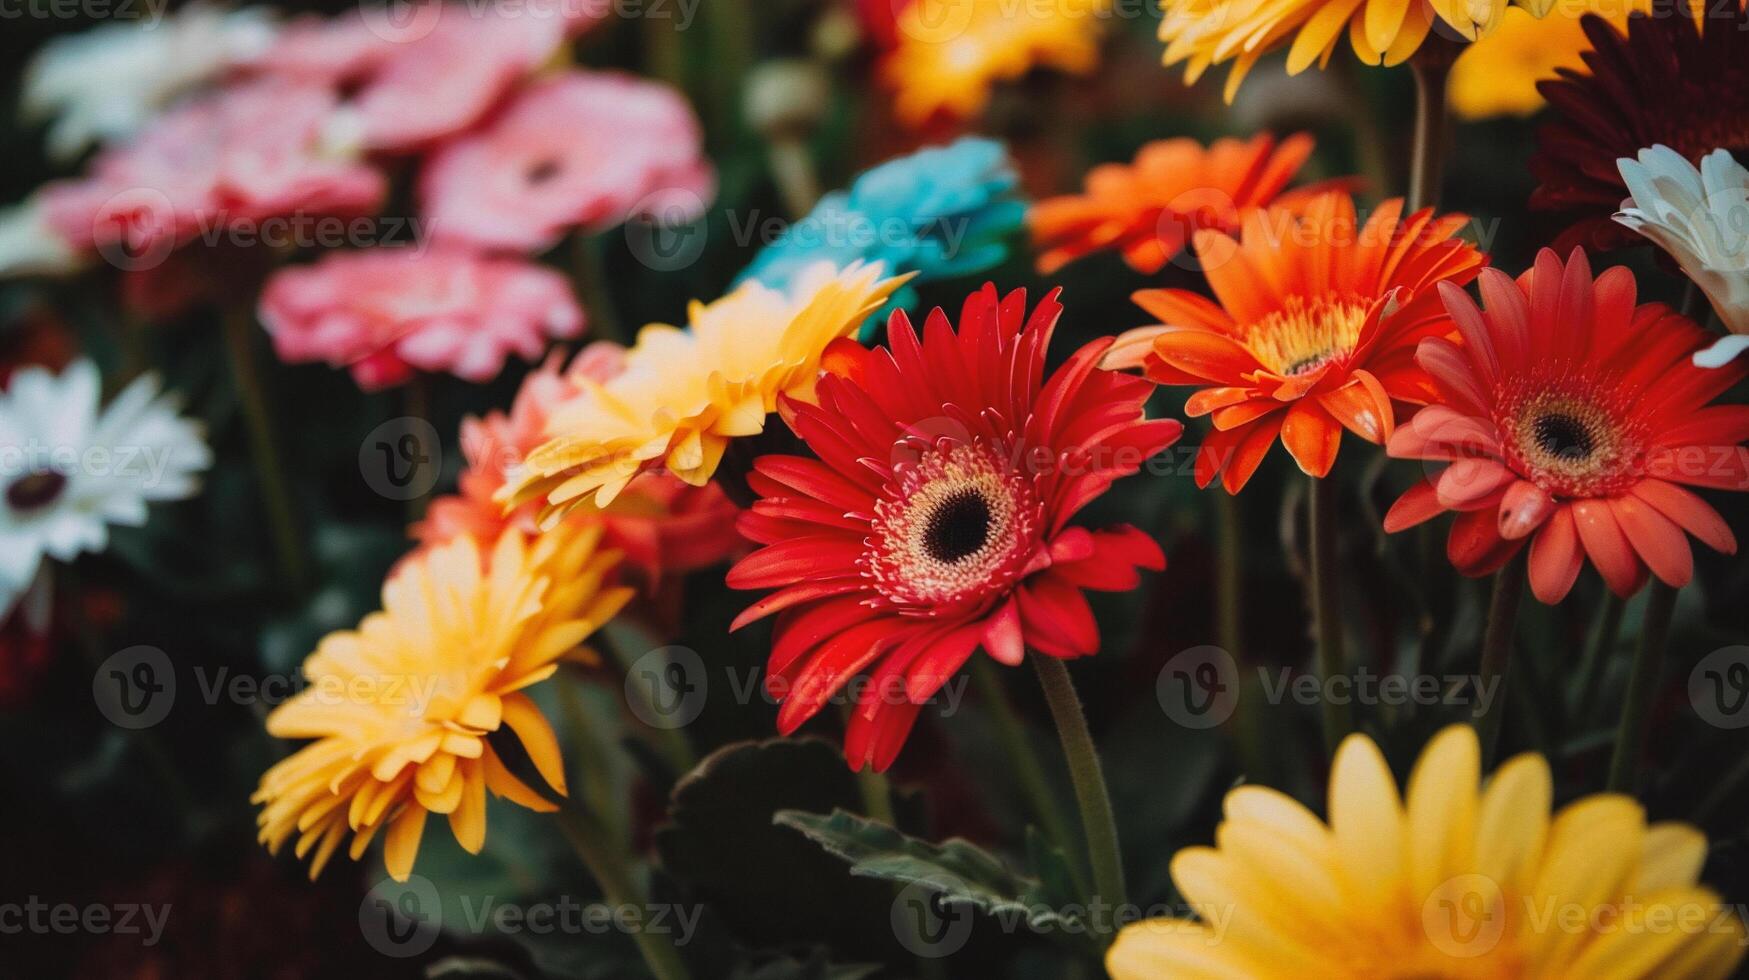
{"x":34,"y":491}
{"x":957,"y":525}
{"x":1570,"y":440}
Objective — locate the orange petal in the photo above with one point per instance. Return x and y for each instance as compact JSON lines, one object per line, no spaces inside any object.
{"x":1312,"y":437}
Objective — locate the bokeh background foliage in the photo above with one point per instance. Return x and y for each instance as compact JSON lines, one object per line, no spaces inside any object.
{"x":98,"y":813}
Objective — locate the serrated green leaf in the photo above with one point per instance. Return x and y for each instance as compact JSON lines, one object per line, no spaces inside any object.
{"x":961,"y":871}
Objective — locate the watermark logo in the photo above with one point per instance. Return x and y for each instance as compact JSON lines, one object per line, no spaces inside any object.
{"x":926,"y":924}
{"x":135,"y":688}
{"x":663,"y":230}
{"x":1718,"y":687}
{"x":1465,"y":916}
{"x":401,"y":458}
{"x":401,"y":919}
{"x":1199,"y":688}
{"x":666,"y":688}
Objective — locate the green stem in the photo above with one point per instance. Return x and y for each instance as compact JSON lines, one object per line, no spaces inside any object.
{"x":877,"y":795}
{"x":1097,"y":821}
{"x":1229,"y":574}
{"x":416,"y":404}
{"x":1046,"y":808}
{"x":1426,"y":164}
{"x":1630,"y":735}
{"x":606,"y":861}
{"x":1497,"y":649}
{"x":1596,"y":653}
{"x":239,"y":329}
{"x":595,"y":289}
{"x":1327,"y":605}
{"x":1722,"y":791}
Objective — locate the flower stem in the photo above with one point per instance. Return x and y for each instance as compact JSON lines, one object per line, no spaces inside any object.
{"x":239,"y":329}
{"x":1602,"y":642}
{"x":1045,"y":806}
{"x":1432,"y":69}
{"x":1327,"y":605}
{"x":1630,"y":735}
{"x":416,"y":404}
{"x":595,"y":288}
{"x":1497,"y":649}
{"x":604,"y":857}
{"x":1098,"y":823}
{"x":1229,"y":574}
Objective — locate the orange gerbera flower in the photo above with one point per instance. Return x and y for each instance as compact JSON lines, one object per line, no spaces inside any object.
{"x":1314,"y":332}
{"x":1149,"y":209}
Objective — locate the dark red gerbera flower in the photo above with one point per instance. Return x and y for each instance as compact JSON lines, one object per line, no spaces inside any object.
{"x":935,"y":520}
{"x":1669,"y":80}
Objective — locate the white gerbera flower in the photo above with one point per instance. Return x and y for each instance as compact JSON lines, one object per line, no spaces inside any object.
{"x":68,"y":471}
{"x":28,"y":247}
{"x":1701,"y":217}
{"x":104,"y":84}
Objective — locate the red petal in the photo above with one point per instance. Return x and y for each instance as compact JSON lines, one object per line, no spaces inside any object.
{"x":1608,"y":548}
{"x":1003,"y":637}
{"x":1555,"y":557}
{"x":1691,"y":513}
{"x":1420,"y":503}
{"x":1657,"y":540}
{"x":1523,"y":509}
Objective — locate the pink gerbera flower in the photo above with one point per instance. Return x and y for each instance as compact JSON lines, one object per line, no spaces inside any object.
{"x":384,"y":312}
{"x":1571,"y":420}
{"x":935,"y":519}
{"x":235,"y":158}
{"x":427,"y":73}
{"x":584,"y":148}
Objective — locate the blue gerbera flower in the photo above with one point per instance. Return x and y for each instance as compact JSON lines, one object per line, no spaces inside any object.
{"x":942,"y":213}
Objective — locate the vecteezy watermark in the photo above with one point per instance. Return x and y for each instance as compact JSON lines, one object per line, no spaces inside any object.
{"x":1718,"y":687}
{"x":1468,"y":915}
{"x":148,"y":12}
{"x":402,"y":458}
{"x":35,"y":916}
{"x":403,"y":919}
{"x":142,"y":466}
{"x":669,"y":686}
{"x":1201,"y":687}
{"x":930,"y":923}
{"x":135,"y":688}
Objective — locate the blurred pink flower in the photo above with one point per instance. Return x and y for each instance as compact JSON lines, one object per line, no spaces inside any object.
{"x":232,"y":159}
{"x":384,"y":312}
{"x":661,"y":523}
{"x":582,"y":148}
{"x":430,"y":71}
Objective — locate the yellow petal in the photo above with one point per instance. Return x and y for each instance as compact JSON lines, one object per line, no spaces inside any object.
{"x":537,"y":738}
{"x":1366,"y":818}
{"x":1442,"y":808}
{"x":401,"y":845}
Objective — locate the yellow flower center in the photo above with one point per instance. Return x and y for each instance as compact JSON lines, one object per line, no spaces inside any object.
{"x":1304,"y":335}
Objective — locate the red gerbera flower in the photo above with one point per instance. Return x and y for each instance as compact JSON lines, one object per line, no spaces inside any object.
{"x":935,"y":520}
{"x":1569,"y":417}
{"x":1669,"y":79}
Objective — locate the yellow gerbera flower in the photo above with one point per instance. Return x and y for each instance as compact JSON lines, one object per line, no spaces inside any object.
{"x":950,"y":53}
{"x":685,"y":393}
{"x":400,"y":708}
{"x":1497,"y":75}
{"x":1202,"y":33}
{"x":1455,"y":884}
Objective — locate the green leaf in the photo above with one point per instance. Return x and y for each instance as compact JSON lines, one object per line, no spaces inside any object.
{"x":961,"y":871}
